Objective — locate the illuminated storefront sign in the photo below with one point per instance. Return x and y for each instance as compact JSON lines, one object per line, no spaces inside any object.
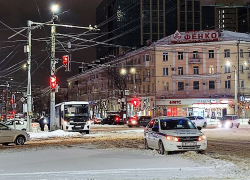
{"x":194,"y":36}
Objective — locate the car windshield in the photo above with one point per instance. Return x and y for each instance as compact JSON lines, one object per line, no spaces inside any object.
{"x":227,"y":118}
{"x":191,"y":118}
{"x":167,"y":124}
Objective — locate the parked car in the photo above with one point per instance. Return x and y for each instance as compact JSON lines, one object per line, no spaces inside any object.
{"x":97,"y":120}
{"x":198,"y":121}
{"x":112,"y":119}
{"x":229,"y":121}
{"x":141,"y":121}
{"x":9,"y":135}
{"x":168,"y":134}
{"x":21,"y":124}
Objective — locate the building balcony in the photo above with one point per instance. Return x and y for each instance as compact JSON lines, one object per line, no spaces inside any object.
{"x":194,"y":61}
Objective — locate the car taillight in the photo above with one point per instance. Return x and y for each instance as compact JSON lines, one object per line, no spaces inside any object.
{"x":117,"y":119}
{"x":33,"y":124}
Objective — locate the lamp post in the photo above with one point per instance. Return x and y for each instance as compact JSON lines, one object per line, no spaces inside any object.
{"x":235,"y":89}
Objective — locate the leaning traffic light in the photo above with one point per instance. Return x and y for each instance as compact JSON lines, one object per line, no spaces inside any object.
{"x":135,"y":102}
{"x":53,"y":82}
{"x":66,"y":63}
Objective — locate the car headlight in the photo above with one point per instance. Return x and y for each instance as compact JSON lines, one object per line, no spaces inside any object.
{"x":203,"y":137}
{"x":172,"y":138}
{"x":66,"y":122}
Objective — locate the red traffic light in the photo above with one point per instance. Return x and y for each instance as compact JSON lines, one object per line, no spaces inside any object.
{"x":135,"y":102}
{"x":12,"y":101}
{"x":53,"y":82}
{"x":66,"y":62}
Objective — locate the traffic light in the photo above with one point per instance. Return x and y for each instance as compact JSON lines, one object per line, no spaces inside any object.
{"x":53,"y":82}
{"x":66,"y":61}
{"x":12,"y":101}
{"x":135,"y":102}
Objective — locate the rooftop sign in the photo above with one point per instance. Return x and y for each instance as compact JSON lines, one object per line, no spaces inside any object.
{"x":194,"y":36}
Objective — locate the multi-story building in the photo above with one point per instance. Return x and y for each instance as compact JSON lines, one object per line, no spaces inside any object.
{"x":231,"y":18}
{"x":135,"y":23}
{"x":188,"y":73}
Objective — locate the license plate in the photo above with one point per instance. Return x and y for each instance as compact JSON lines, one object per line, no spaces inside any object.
{"x":78,"y":126}
{"x":189,"y":143}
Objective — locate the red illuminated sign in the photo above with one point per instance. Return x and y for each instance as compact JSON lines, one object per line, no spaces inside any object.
{"x":194,"y":36}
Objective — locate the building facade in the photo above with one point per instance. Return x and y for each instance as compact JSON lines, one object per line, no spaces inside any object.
{"x":136,"y":23}
{"x":202,"y":73}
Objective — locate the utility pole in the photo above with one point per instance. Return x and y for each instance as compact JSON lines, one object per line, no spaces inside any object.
{"x":28,"y":49}
{"x":52,"y":73}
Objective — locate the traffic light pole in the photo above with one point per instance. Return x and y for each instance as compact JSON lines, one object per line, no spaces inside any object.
{"x":52,"y":73}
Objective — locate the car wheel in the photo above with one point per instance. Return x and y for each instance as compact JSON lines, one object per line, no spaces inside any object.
{"x":20,"y":140}
{"x":5,"y":144}
{"x":129,"y":126}
{"x":161,"y":148}
{"x":205,"y":125}
{"x":238,"y":125}
{"x":202,"y":152}
{"x":146,"y":144}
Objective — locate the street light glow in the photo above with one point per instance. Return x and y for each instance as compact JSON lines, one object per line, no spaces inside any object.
{"x":123,"y":71}
{"x":228,"y":63}
{"x":54,"y":8}
{"x":132,"y":70}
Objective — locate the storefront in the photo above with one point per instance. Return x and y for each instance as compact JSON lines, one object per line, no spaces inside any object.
{"x":207,"y":108}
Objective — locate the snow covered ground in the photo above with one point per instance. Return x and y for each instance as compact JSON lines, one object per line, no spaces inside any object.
{"x":85,"y":162}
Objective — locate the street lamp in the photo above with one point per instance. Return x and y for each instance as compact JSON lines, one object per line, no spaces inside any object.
{"x":236,"y":89}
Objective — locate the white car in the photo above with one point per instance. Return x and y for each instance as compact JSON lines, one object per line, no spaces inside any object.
{"x":21,"y":124}
{"x":9,"y":135}
{"x":168,"y":134}
{"x":229,"y":121}
{"x":198,"y":121}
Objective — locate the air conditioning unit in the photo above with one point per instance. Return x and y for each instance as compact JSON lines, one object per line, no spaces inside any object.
{"x":173,"y":68}
{"x":187,"y":84}
{"x":204,"y":83}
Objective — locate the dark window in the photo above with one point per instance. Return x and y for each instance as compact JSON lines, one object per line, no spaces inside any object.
{"x":227,"y":53}
{"x":180,"y":55}
{"x":211,"y":54}
{"x":196,"y":69}
{"x":180,"y":86}
{"x":196,"y":85}
{"x":180,"y":70}
{"x":165,"y":71}
{"x":228,"y":84}
{"x":211,"y":85}
{"x":165,"y":56}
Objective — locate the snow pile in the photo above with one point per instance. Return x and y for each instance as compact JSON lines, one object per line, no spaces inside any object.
{"x":53,"y":134}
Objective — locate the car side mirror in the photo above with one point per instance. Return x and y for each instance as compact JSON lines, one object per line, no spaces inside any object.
{"x":199,"y":128}
{"x":156,"y":129}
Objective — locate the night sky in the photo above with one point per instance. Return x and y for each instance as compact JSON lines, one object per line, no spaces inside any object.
{"x":16,"y":13}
